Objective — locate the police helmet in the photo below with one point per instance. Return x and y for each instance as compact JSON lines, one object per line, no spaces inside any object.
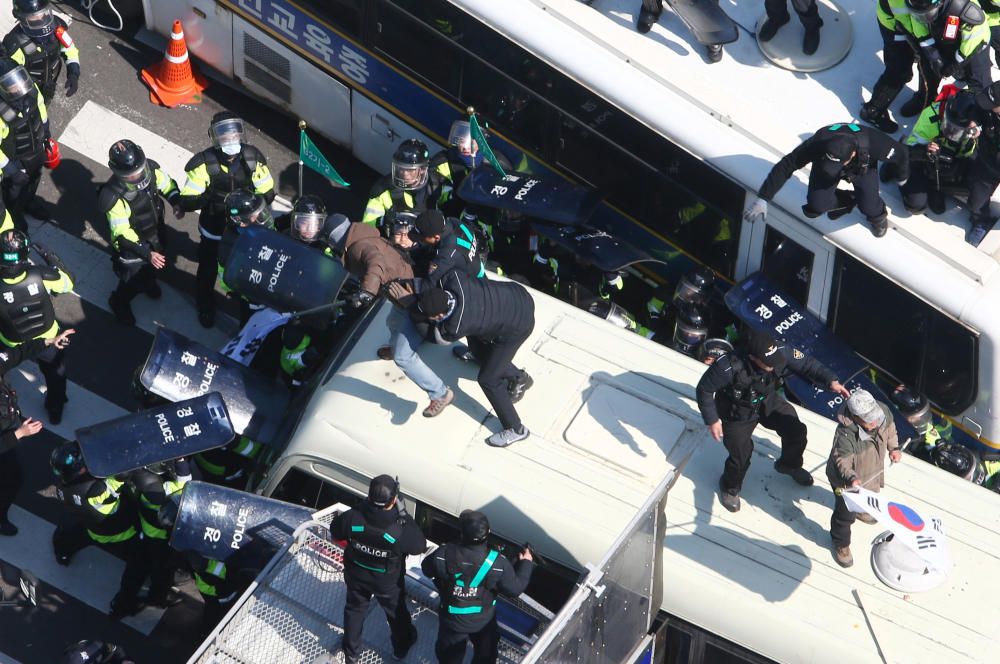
{"x":410,"y":164}
{"x":914,"y":407}
{"x":694,"y":287}
{"x":962,"y":117}
{"x":15,"y":81}
{"x":713,"y":348}
{"x":474,"y":526}
{"x":308,"y":216}
{"x":14,"y":248}
{"x":612,"y":313}
{"x":245,"y":208}
{"x":925,"y":11}
{"x":400,"y":222}
{"x":35,"y":17}
{"x":226,"y":129}
{"x":334,"y":232}
{"x":690,"y":328}
{"x":67,"y":462}
{"x":128,"y":162}
{"x":957,"y":460}
{"x":460,"y":138}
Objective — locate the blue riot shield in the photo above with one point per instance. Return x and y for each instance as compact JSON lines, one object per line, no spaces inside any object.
{"x":273,"y":269}
{"x":598,"y":248}
{"x":219,"y":523}
{"x":168,"y":431}
{"x":550,"y":200}
{"x":178,"y":368}
{"x":763,"y":306}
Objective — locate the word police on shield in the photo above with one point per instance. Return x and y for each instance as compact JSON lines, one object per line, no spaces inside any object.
{"x":159,"y":434}
{"x":178,"y":368}
{"x":277,"y":271}
{"x":218,"y":523}
{"x":549,"y":200}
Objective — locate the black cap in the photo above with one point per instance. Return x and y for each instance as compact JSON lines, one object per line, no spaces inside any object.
{"x":382,"y":490}
{"x":763,"y":346}
{"x":434,"y":302}
{"x":430,"y":222}
{"x":989,"y":98}
{"x":474,"y":525}
{"x":836,"y":153}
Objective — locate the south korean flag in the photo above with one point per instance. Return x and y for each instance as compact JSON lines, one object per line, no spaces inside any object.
{"x":922,"y":533}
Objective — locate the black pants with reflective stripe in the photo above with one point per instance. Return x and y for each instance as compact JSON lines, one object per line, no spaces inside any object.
{"x":450,"y":645}
{"x":393,"y":602}
{"x":738,"y":439}
{"x":11,"y":479}
{"x":68,"y":540}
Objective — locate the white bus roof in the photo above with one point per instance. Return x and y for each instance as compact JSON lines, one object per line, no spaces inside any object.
{"x":606,"y":408}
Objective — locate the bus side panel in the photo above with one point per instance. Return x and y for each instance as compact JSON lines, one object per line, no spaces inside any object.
{"x":377,"y":132}
{"x":211,"y":38}
{"x":273,"y":71}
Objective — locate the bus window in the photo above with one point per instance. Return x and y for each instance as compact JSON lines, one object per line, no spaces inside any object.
{"x":787,"y":264}
{"x":345,"y":15}
{"x":677,"y":646}
{"x":302,"y":488}
{"x":418,"y":48}
{"x":950,"y":366}
{"x":602,"y":164}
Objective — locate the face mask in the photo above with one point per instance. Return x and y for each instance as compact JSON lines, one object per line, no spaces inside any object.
{"x":231,"y":149}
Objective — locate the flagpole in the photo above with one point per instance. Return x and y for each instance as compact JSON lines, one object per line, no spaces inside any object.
{"x":302,"y":128}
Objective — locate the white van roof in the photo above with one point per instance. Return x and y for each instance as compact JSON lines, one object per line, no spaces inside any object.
{"x":606,"y":409}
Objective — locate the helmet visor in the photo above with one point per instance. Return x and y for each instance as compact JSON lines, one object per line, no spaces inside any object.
{"x":261,"y":216}
{"x":409,"y":176}
{"x":926,"y":15}
{"x":956,"y":132}
{"x":306,"y":225}
{"x":460,"y":137}
{"x":136,"y":178}
{"x":227,"y":132}
{"x":38,"y":23}
{"x":16,"y":83}
{"x":402,"y":223}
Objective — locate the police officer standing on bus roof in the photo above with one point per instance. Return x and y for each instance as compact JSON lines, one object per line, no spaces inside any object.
{"x":649,"y":14}
{"x":26,"y":310}
{"x":24,"y":137}
{"x":777,"y":16}
{"x":379,"y":537}
{"x":40,"y":41}
{"x":411,"y":185}
{"x":740,"y":390}
{"x":12,"y":427}
{"x":456,"y":246}
{"x":838,"y":152}
{"x":131,"y":202}
{"x":984,"y":176}
{"x":469,"y":576}
{"x":230,"y":164}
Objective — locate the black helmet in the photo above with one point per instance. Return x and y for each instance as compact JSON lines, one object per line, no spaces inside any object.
{"x":245,"y":208}
{"x":694,"y":286}
{"x":962,"y":117}
{"x":15,"y":81}
{"x":914,"y":407}
{"x":474,"y":526}
{"x":713,"y":348}
{"x":925,"y":11}
{"x":400,"y":221}
{"x":690,"y":328}
{"x":612,"y":313}
{"x":226,"y":132}
{"x":35,"y":17}
{"x":128,"y":162}
{"x":14,"y":248}
{"x":67,"y":462}
{"x":957,"y":460}
{"x":410,"y":164}
{"x":308,"y":216}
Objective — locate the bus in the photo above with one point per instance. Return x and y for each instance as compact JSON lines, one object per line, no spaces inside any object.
{"x":676,"y":146}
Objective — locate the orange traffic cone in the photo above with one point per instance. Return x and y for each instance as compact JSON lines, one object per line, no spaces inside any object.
{"x":173,"y":81}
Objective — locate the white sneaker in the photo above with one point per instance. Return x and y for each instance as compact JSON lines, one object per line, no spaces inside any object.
{"x":507,"y":437}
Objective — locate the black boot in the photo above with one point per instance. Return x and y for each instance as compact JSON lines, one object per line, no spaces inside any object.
{"x":771,"y":27}
{"x":714,"y":53}
{"x":879,"y":223}
{"x":646,"y":20}
{"x":121,"y":309}
{"x":936,"y":202}
{"x":810,"y":42}
{"x":914,"y":105}
{"x":876,"y":112}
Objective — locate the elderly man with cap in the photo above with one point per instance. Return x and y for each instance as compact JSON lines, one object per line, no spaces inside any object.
{"x":865,"y":433}
{"x":379,"y":537}
{"x":469,"y":576}
{"x":984,"y":175}
{"x":740,"y":390}
{"x":843,"y":151}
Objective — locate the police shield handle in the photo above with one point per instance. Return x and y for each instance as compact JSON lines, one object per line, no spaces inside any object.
{"x":715,"y":428}
{"x":757,"y":210}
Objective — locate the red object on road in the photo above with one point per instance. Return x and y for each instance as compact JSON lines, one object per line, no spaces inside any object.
{"x":52,"y":156}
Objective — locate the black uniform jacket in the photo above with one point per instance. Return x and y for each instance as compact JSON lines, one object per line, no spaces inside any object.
{"x":10,"y":416}
{"x":410,"y":542}
{"x":486,"y":309}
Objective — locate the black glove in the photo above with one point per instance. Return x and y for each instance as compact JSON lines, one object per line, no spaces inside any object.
{"x":15,"y":173}
{"x":45,"y":252}
{"x":934,"y":60}
{"x":361,"y":299}
{"x":951,"y":69}
{"x":72,"y":83}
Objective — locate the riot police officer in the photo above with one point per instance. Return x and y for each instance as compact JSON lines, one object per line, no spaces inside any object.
{"x":26,"y":310}
{"x":12,"y":427}
{"x":456,"y":245}
{"x":105,"y":517}
{"x":229,"y":165}
{"x":24,"y":138}
{"x":243,"y":208}
{"x":469,"y":576}
{"x":306,"y":220}
{"x":838,"y":152}
{"x":379,"y":537}
{"x":740,"y":390}
{"x":153,"y":487}
{"x":953,"y":38}
{"x":131,"y":202}
{"x":40,"y":41}
{"x":984,"y":176}
{"x":411,"y":185}
{"x":228,"y":465}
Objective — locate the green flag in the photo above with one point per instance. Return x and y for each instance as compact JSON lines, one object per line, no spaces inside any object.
{"x":310,"y":155}
{"x":480,"y":139}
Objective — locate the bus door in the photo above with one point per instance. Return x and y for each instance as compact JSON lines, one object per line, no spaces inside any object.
{"x":796,"y":259}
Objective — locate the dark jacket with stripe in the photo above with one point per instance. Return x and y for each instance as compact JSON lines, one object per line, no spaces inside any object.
{"x":486,"y":309}
{"x":409,"y":541}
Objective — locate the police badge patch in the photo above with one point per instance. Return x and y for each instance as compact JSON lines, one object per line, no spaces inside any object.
{"x":797,"y":354}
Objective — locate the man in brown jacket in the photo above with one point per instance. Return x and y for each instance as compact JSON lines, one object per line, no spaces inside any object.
{"x":378,"y":264}
{"x":865,"y":434}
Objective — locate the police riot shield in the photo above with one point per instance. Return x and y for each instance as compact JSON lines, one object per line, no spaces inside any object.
{"x":219,"y":523}
{"x":162,"y":433}
{"x":549,"y":200}
{"x":763,"y":306}
{"x":706,"y":21}
{"x":178,"y":368}
{"x":270,"y":268}
{"x":598,"y":248}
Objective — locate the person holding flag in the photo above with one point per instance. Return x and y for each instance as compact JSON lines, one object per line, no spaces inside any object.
{"x":866,"y":432}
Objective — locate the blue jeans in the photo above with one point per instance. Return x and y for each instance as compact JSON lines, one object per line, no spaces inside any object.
{"x":405,"y":339}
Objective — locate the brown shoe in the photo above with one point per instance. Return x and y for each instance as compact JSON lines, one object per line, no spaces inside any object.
{"x":384,"y":352}
{"x":867,"y":518}
{"x":843,"y":556}
{"x":435,"y":407}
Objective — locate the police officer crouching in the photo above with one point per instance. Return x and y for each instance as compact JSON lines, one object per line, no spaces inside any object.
{"x":469,"y":576}
{"x":740,"y":390}
{"x":379,"y":537}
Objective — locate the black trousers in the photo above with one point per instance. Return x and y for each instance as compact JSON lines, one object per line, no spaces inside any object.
{"x":393,"y":602}
{"x":497,"y":373}
{"x":982,"y":181}
{"x":68,"y":540}
{"x":52,"y":364}
{"x":161,"y":569}
{"x":738,"y":439}
{"x":133,"y":278}
{"x":11,"y":479}
{"x":17,"y":196}
{"x":450,"y":645}
{"x":208,"y":266}
{"x":840,"y":523}
{"x":777,"y":10}
{"x":822,"y":194}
